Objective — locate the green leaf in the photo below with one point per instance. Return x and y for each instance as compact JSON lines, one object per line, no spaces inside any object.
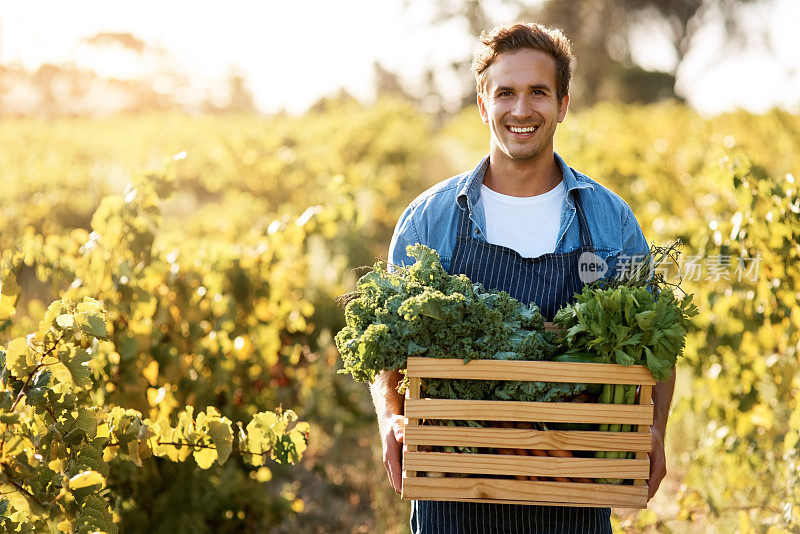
{"x":221,"y":435}
{"x":92,"y":324}
{"x":9,"y":418}
{"x":95,"y":516}
{"x":90,"y":457}
{"x":623,"y":359}
{"x":646,"y":319}
{"x":77,"y":364}
{"x":40,"y":383}
{"x":87,"y":422}
{"x":660,"y":368}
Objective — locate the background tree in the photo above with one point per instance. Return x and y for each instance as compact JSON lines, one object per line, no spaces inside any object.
{"x":602,"y":35}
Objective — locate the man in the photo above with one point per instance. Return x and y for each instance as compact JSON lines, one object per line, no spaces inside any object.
{"x":524,"y":222}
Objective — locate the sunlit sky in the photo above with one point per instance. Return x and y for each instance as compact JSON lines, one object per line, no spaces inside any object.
{"x":291,"y":53}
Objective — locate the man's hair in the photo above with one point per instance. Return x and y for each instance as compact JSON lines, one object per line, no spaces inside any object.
{"x":519,"y":36}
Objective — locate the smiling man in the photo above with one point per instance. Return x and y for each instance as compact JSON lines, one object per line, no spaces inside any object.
{"x":524,"y":222}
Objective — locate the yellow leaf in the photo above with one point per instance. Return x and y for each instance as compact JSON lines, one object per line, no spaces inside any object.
{"x":205,"y":457}
{"x":16,"y":500}
{"x":65,"y":320}
{"x":151,"y":372}
{"x":18,"y":359}
{"x":90,"y":305}
{"x":86,"y":478}
{"x":9,"y":293}
{"x":56,"y":465}
{"x":102,"y":430}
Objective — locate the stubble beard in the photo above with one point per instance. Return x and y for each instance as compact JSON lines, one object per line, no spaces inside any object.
{"x":527,"y":153}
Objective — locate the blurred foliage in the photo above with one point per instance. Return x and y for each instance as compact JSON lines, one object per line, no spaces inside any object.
{"x":602,"y":31}
{"x":217,"y":279}
{"x":220,"y":294}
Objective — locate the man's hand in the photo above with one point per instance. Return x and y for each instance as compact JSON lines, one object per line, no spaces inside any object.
{"x":658,"y":463}
{"x":393,"y":451}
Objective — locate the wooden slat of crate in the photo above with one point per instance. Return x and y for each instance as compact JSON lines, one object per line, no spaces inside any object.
{"x":538,"y":503}
{"x":586,"y":373}
{"x":528,"y":491}
{"x":514,"y":438}
{"x":552,"y":412}
{"x":500,"y":464}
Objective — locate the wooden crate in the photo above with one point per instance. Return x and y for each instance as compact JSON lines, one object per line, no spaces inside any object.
{"x":509,"y":490}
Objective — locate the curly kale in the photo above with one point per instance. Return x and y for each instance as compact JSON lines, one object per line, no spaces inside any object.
{"x":422,"y":310}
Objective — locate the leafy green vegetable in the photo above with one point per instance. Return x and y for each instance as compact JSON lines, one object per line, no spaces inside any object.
{"x":635,"y":321}
{"x":424,"y":311}
{"x":626,"y":325}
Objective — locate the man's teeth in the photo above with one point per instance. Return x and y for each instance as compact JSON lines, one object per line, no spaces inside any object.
{"x":522,"y":130}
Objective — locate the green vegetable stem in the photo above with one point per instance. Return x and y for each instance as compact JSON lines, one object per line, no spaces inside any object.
{"x":631,"y":321}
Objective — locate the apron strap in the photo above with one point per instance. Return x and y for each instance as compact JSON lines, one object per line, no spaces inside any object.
{"x":586,"y":237}
{"x":464,"y":222}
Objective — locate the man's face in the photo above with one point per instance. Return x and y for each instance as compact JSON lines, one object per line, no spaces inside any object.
{"x":520,"y":104}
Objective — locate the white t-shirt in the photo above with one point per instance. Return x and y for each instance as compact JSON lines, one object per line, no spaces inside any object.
{"x":528,"y":225}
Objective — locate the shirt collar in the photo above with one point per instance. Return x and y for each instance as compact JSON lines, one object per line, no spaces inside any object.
{"x":470,"y":190}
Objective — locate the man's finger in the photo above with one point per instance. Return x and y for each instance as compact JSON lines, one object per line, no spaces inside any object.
{"x":396,"y":473}
{"x":657,"y":473}
{"x":399,"y":427}
{"x":392,"y":460}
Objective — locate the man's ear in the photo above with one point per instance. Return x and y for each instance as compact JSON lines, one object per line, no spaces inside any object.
{"x":482,"y":109}
{"x":562,"y":108}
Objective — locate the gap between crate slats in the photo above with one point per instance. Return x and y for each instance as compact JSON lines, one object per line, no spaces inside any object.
{"x":645,"y":399}
{"x":411,"y":392}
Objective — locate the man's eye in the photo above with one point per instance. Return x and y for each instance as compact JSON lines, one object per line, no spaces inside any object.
{"x":538,"y":92}
{"x":504,"y":93}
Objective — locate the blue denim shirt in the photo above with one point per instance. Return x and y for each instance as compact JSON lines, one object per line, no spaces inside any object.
{"x":432,"y":218}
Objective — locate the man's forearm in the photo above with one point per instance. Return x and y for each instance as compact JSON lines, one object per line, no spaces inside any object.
{"x":662,"y":399}
{"x":388,"y":402}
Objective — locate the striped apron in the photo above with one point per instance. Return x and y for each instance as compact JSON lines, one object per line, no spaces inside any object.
{"x":549,"y":280}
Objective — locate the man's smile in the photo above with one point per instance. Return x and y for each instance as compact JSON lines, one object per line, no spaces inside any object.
{"x":522,"y":132}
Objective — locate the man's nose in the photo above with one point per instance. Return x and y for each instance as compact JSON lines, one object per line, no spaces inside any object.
{"x":522,"y":107}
